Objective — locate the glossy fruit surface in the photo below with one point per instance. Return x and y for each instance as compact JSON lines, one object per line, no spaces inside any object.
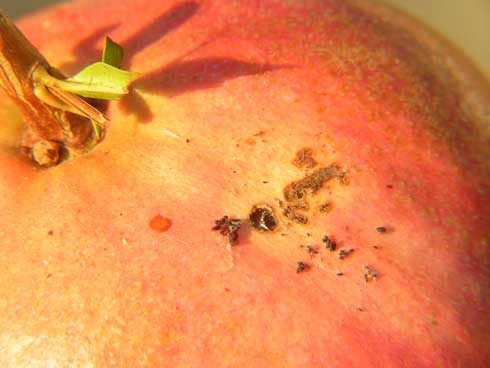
{"x":343,"y":115}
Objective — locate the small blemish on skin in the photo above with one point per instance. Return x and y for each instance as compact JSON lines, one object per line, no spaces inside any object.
{"x":160,"y":224}
{"x":345,"y":253}
{"x":369,"y":274}
{"x":301,"y":267}
{"x":304,"y":158}
{"x":250,"y":141}
{"x":326,"y":207}
{"x":381,"y":229}
{"x":311,"y":250}
{"x":50,"y":232}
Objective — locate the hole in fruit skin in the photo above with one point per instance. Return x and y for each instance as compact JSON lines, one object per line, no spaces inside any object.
{"x":262,"y":218}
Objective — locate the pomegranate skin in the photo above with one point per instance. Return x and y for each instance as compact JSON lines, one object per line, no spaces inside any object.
{"x":244,"y":104}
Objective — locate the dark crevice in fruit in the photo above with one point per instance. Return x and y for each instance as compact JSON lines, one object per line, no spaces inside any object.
{"x":262,"y":218}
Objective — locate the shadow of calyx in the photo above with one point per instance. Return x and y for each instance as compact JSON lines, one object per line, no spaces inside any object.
{"x":86,"y":51}
{"x":161,"y":26}
{"x":187,"y":76}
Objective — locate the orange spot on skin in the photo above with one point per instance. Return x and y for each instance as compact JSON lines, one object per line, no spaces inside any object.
{"x":250,"y":141}
{"x":160,"y":223}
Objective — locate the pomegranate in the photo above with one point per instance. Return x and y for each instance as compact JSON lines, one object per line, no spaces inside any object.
{"x":288,"y":184}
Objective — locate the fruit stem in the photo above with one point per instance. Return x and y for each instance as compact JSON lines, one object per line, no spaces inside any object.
{"x":48,"y":125}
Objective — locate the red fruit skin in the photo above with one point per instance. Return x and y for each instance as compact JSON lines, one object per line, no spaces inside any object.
{"x":86,"y":281}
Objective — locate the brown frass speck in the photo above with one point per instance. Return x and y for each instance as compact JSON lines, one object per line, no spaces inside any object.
{"x":228,"y":227}
{"x":381,"y":229}
{"x":304,"y":159}
{"x":311,"y":250}
{"x":369,"y":274}
{"x":301,"y":267}
{"x":329,"y":243}
{"x":345,"y":253}
{"x":262,"y":218}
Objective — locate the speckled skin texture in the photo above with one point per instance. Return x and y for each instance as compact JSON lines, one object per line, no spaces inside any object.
{"x":85,"y":281}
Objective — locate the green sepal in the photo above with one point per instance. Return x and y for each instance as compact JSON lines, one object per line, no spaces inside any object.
{"x":100,"y":80}
{"x":112,"y":53}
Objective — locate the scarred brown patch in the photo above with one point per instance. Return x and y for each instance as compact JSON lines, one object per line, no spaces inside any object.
{"x":326,"y":207}
{"x":304,"y":159}
{"x":312,"y":183}
{"x":160,"y":223}
{"x":291,"y":212}
{"x":296,"y":193}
